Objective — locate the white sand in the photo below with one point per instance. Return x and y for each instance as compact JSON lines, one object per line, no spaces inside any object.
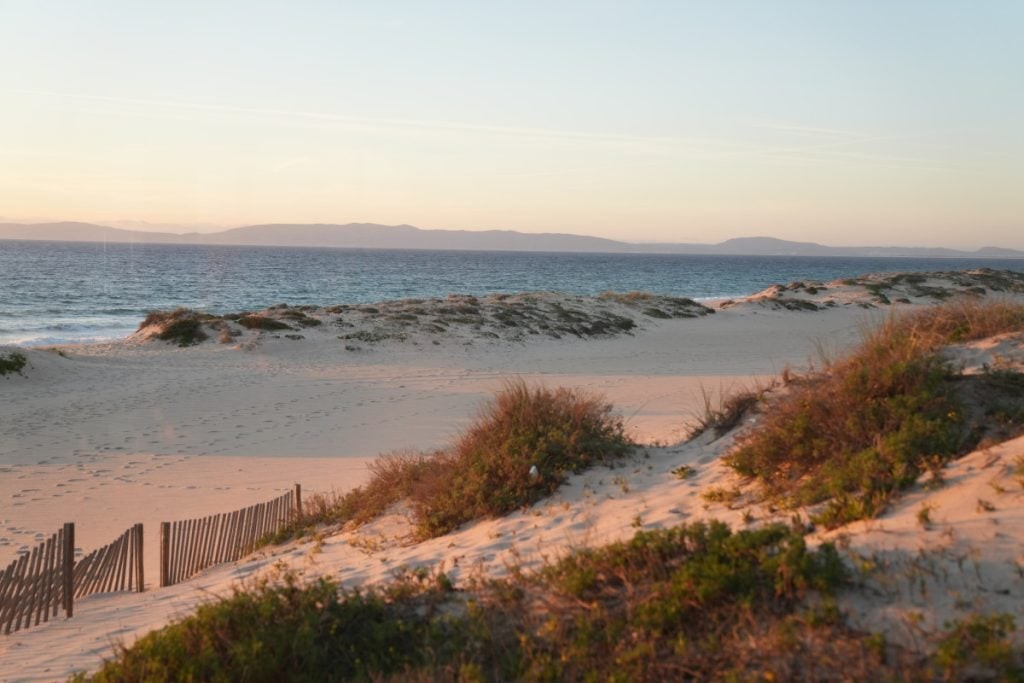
{"x":146,"y":432}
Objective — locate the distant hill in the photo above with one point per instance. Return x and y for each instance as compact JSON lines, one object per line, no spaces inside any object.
{"x":372,"y":236}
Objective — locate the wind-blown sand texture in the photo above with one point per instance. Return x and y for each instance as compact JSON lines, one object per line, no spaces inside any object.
{"x":146,"y":431}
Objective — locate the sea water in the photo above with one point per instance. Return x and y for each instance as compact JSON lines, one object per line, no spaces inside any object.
{"x":59,"y":292}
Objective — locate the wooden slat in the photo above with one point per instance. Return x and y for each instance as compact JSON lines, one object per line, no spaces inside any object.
{"x":217,"y":554}
{"x":96,"y":578}
{"x":11,"y":608}
{"x":7,"y":585}
{"x":197,"y":546}
{"x":110,"y":571}
{"x":235,"y":531}
{"x":139,"y":564}
{"x":43,"y":611}
{"x":106,"y":573}
{"x":195,"y":534}
{"x":165,"y":554}
{"x":176,"y":553}
{"x":58,"y":583}
{"x":208,"y":542}
{"x":67,"y":570}
{"x":122,"y":562}
{"x":33,"y":593}
{"x":82,"y":569}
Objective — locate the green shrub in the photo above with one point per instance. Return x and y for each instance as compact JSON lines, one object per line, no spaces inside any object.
{"x":287,"y":632}
{"x":696,"y":602}
{"x":11,"y":362}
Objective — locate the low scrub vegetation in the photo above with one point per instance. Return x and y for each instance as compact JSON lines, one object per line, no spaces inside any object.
{"x":979,"y":648}
{"x":262,"y":322}
{"x":182,"y":326}
{"x":519,"y":450}
{"x":870,"y":424}
{"x":12,"y":362}
{"x":691,"y":602}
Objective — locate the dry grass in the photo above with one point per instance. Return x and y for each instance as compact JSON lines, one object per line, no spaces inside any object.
{"x":869,"y":424}
{"x":724,"y":414}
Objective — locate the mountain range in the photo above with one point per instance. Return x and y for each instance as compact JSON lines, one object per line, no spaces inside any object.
{"x":373,"y":236}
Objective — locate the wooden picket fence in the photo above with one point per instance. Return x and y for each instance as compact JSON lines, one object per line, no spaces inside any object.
{"x":189,"y":546}
{"x":116,"y":566}
{"x":38,"y":584}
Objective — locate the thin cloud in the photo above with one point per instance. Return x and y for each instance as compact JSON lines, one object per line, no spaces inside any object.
{"x":381,"y":123}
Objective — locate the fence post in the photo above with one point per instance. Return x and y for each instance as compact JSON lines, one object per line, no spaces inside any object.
{"x":69,"y":569}
{"x":165,"y":548}
{"x":298,"y":500}
{"x":138,"y":557}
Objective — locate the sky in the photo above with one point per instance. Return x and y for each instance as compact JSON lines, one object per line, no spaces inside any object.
{"x":846,"y":123}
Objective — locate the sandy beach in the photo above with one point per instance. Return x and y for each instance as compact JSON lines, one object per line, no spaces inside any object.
{"x":143,"y":430}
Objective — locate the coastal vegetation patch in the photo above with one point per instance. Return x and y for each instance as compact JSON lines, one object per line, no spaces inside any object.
{"x":854,"y":435}
{"x":460,"y":318}
{"x":183,"y":326}
{"x":887,"y":289}
{"x":12,"y":362}
{"x":253,"y":321}
{"x":520,"y":449}
{"x":696,"y":601}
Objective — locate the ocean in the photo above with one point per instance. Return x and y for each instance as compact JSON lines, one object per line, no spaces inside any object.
{"x":63,"y":292}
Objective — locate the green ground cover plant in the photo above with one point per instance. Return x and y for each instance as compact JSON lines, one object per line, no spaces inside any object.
{"x":868,"y":425}
{"x":12,"y":362}
{"x":692,"y":602}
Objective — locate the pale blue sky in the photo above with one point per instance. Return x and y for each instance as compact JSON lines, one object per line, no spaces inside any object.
{"x":839,"y":122}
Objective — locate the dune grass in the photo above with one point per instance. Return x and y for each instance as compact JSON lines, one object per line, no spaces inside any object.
{"x":866,"y":427}
{"x":486,"y":472}
{"x":722,"y":415}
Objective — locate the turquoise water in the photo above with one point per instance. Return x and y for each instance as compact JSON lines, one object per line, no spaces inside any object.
{"x":54,"y":292}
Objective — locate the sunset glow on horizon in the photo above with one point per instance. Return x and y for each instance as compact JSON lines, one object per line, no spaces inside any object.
{"x":849,"y":123}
